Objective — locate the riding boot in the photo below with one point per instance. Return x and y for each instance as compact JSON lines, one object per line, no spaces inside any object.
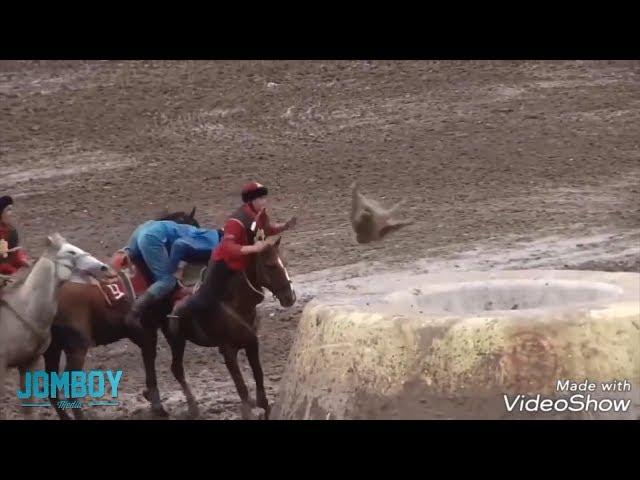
{"x":206,"y":300}
{"x":139,"y":307}
{"x":185,"y":313}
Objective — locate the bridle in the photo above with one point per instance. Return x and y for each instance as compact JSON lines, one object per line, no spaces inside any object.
{"x":286,"y":286}
{"x":276,"y":292}
{"x":57,"y":262}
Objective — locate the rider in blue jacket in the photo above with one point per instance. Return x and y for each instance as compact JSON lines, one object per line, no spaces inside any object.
{"x":163,"y":246}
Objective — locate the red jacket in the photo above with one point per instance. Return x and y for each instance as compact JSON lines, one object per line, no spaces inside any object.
{"x":16,"y":259}
{"x":238,"y":232}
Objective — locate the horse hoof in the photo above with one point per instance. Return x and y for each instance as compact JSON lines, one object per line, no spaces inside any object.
{"x":246,"y":413}
{"x":146,"y":395}
{"x":63,"y":415}
{"x":160,"y":412}
{"x":194,"y":412}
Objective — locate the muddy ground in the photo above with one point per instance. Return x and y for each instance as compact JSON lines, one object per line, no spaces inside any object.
{"x":505,"y":164}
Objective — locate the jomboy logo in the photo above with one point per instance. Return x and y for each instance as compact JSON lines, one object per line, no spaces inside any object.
{"x":99,"y":386}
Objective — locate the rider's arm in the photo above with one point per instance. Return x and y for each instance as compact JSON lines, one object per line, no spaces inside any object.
{"x":273,"y":228}
{"x":278,"y":228}
{"x":7,"y":269}
{"x":235,"y":238}
{"x":22,"y":258}
{"x":179,"y":253}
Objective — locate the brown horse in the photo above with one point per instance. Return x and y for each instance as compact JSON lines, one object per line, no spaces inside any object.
{"x":85,"y":319}
{"x":233,"y":326}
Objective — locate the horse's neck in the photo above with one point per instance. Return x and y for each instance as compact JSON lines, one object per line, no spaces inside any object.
{"x":42,"y":277}
{"x":81,"y":277}
{"x":245,"y":288}
{"x":37,"y":293}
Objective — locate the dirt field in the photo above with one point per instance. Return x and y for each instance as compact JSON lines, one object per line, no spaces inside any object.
{"x":505,"y":165}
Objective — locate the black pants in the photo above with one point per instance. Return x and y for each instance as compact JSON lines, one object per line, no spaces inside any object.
{"x":210,"y":293}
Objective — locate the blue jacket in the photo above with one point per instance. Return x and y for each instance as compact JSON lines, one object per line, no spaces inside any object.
{"x":183,"y":242}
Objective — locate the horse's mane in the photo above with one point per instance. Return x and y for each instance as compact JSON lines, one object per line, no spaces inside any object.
{"x":178,"y":217}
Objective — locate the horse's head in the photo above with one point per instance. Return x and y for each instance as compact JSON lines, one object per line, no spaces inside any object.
{"x":181,"y":217}
{"x":273,"y":275}
{"x":69,"y":258}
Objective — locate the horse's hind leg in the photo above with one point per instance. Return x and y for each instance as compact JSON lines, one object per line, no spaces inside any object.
{"x":75,"y":362}
{"x":151,"y":393}
{"x":231,"y":361}
{"x":23,"y":369}
{"x":177,"y":344}
{"x":3,"y":377}
{"x":253,"y":355}
{"x":52,"y":364}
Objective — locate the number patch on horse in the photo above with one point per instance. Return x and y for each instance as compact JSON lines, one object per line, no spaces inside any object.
{"x":114,"y":292}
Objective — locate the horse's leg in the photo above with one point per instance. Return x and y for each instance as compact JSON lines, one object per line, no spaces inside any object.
{"x":75,"y":363}
{"x":52,"y":364}
{"x":23,"y":369}
{"x":253,"y":355}
{"x":231,"y":361}
{"x":151,"y":393}
{"x":177,"y":344}
{"x":3,"y":376}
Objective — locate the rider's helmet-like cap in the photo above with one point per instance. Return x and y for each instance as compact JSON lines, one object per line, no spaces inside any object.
{"x":5,"y":202}
{"x":253,"y":190}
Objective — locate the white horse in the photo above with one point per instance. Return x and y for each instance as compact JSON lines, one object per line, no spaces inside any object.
{"x":28,"y":306}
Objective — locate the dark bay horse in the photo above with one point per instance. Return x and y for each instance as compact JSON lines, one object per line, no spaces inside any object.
{"x":85,"y":319}
{"x":233,"y":327}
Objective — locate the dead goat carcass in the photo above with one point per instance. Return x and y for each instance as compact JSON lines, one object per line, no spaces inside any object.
{"x":370,"y":220}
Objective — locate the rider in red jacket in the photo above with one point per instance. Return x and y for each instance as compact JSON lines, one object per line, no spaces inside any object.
{"x":12,"y":256}
{"x":238,"y":242}
{"x":242,"y":226}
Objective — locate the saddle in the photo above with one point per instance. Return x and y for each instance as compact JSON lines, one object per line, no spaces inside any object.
{"x":132,"y":280}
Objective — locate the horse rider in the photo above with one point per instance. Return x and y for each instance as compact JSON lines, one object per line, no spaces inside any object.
{"x":164,"y":246}
{"x":12,"y":256}
{"x":231,"y":255}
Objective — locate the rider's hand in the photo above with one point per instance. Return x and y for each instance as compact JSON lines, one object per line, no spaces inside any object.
{"x":260,"y":246}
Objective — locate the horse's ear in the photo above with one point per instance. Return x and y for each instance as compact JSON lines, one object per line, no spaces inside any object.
{"x":55,"y":240}
{"x":277,"y":244}
{"x":273,"y":241}
{"x":193,"y":213}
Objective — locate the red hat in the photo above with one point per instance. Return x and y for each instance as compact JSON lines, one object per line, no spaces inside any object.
{"x":253,"y":190}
